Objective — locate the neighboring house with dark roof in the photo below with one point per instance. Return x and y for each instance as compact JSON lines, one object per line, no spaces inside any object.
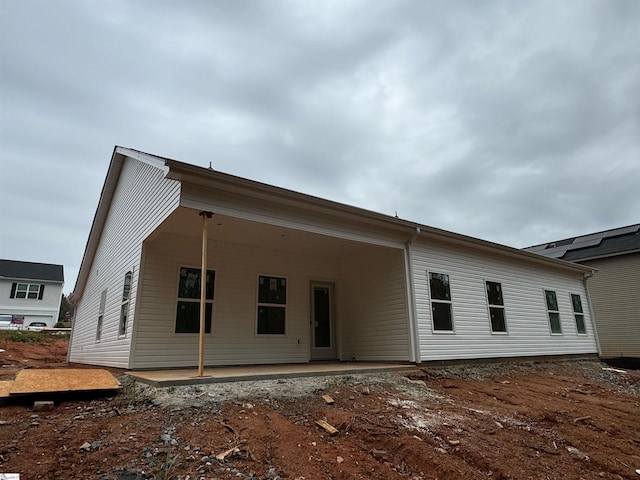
{"x":292,"y":278}
{"x":30,"y":291}
{"x":614,"y":289}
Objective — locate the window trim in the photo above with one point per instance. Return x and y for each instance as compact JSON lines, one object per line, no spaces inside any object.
{"x":546,"y":306}
{"x":449,"y":302}
{"x":16,"y":290}
{"x":125,"y":304}
{"x":586,"y":333}
{"x":194,"y":300}
{"x":101,"y":309}
{"x":279,"y":305}
{"x":490,"y":305}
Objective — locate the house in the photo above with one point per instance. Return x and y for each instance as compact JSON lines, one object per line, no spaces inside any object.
{"x":30,"y":292}
{"x":292,"y":278}
{"x":615,"y":290}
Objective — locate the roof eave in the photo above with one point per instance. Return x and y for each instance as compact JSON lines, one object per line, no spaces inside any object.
{"x":188,"y":173}
{"x":608,"y":255}
{"x":97,"y":226}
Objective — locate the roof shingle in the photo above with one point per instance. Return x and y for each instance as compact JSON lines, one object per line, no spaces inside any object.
{"x":17,"y":270}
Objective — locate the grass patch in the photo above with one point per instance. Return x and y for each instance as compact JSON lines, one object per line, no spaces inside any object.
{"x":26,"y":336}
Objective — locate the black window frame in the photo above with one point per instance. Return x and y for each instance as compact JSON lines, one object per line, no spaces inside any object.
{"x":553,"y":313}
{"x":441,"y":301}
{"x":495,"y":306}
{"x":124,"y":307}
{"x":271,"y":305}
{"x":101,"y":309}
{"x":188,"y":300}
{"x":578,"y":315}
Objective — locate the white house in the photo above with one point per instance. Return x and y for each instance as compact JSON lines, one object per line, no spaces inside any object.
{"x":295,"y":278}
{"x":30,"y":292}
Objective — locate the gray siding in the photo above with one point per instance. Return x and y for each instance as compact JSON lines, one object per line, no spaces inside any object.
{"x":142,"y":200}
{"x":526,"y":316}
{"x":615,"y":297}
{"x":373,"y":306}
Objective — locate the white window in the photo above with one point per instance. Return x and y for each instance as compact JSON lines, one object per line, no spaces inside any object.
{"x":576,"y":302}
{"x":124,"y":308}
{"x":272,"y":305}
{"x":496,"y":307}
{"x":103,"y":302}
{"x":440,"y":290}
{"x":188,"y":309}
{"x":552,"y":311}
{"x":31,"y":291}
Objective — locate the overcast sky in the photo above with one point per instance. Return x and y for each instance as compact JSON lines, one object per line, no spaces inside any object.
{"x":512,"y":121}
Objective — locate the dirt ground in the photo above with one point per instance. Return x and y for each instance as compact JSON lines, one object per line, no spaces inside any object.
{"x":526,"y":420}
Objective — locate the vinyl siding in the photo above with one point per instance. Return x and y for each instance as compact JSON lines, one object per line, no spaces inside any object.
{"x":373,"y":306}
{"x":45,"y":310}
{"x":233,"y":340}
{"x":142,"y":200}
{"x":526,"y":316}
{"x":615,"y":297}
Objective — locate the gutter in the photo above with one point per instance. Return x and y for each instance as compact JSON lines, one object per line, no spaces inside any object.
{"x":586,"y":277}
{"x":411,"y":304}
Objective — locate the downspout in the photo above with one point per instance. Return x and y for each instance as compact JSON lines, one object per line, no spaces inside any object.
{"x":411,"y":304}
{"x":586,"y":277}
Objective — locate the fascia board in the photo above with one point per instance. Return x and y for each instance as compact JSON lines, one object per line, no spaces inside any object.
{"x":147,"y":158}
{"x":608,"y":255}
{"x":97,"y":226}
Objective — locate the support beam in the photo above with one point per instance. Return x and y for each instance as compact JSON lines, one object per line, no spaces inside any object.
{"x":203,"y":290}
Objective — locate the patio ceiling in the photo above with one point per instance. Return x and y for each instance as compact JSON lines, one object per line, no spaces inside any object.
{"x":186,"y":221}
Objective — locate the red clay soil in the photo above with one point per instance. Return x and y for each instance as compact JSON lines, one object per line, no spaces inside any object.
{"x":563,"y":420}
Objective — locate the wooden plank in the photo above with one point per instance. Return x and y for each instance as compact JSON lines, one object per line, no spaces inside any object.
{"x":329,"y":428}
{"x":328,"y":400}
{"x":62,"y":380}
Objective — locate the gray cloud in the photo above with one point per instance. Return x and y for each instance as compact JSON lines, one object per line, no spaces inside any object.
{"x":513,"y":122}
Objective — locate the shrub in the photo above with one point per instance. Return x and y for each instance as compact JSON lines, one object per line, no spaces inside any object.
{"x":62,"y":325}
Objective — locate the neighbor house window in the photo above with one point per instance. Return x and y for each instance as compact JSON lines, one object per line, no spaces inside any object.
{"x":553,"y":311}
{"x":272,"y":305}
{"x":103,"y":302}
{"x":576,"y":302}
{"x":496,"y":307}
{"x":188,"y":310}
{"x":124,"y":308}
{"x":31,"y":291}
{"x":440,"y":302}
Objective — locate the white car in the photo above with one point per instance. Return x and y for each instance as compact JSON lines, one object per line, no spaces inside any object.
{"x":36,"y":326}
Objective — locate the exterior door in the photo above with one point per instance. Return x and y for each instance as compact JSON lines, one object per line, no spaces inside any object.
{"x":323,"y":344}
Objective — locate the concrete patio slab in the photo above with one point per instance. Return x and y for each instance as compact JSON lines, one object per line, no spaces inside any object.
{"x":177,"y":377}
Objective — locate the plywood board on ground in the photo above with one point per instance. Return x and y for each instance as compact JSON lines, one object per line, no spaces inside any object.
{"x":5,"y":386}
{"x":62,"y":380}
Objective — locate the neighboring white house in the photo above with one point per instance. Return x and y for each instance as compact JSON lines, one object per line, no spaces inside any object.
{"x":295,"y":278}
{"x":30,"y":292}
{"x":615,"y":290}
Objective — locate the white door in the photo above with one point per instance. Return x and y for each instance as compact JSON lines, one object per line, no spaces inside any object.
{"x":323,"y":344}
